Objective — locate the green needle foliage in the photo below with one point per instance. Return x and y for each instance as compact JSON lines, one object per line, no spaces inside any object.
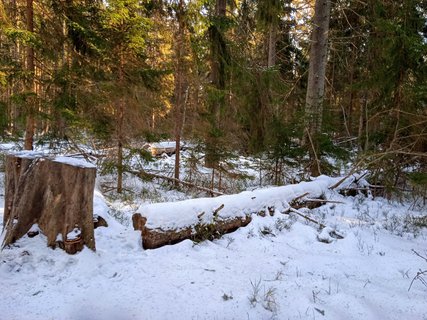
{"x":106,"y":70}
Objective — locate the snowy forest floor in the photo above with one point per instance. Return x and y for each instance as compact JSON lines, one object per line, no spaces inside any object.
{"x":275,"y":268}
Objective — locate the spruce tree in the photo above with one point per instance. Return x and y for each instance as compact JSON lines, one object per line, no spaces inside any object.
{"x":125,"y":30}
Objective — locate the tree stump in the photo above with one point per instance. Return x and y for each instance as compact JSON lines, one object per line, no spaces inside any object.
{"x":54,"y":193}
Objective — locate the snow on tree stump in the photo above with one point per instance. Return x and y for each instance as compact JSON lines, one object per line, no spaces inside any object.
{"x":53,"y":195}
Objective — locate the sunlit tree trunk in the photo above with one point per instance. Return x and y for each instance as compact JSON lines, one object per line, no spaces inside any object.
{"x":272,"y":40}
{"x":316,"y":80}
{"x":30,"y":123}
{"x":179,"y":94}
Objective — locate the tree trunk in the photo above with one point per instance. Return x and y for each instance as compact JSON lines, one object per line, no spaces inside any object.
{"x":120,"y":119}
{"x":363,"y":133}
{"x":56,"y":196}
{"x":218,"y":79}
{"x":30,"y":123}
{"x":272,"y":39}
{"x":220,"y":8}
{"x":316,"y":77}
{"x":179,"y":86}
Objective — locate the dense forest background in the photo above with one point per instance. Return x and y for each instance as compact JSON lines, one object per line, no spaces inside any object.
{"x":230,"y":76}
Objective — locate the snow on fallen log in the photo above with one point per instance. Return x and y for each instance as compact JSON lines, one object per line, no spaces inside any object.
{"x":168,"y":223}
{"x":158,"y":148}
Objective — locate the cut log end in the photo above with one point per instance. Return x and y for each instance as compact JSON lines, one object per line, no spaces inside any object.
{"x":138,"y":221}
{"x":99,"y":221}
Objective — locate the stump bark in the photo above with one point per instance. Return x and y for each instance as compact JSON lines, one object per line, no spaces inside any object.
{"x":55,"y":194}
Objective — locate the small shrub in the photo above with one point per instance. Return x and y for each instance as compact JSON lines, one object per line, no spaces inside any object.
{"x":266,"y":231}
{"x":421,"y":275}
{"x":268,"y":299}
{"x":227,"y":297}
{"x":283,"y":224}
{"x":256,"y":289}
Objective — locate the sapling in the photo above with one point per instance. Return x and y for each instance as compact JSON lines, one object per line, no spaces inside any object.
{"x":269,"y":300}
{"x":421,"y":274}
{"x":254,"y":296}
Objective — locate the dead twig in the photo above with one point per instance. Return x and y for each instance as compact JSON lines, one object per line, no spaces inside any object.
{"x":216,"y":211}
{"x":424,"y":258}
{"x":300,"y":197}
{"x":323,"y":201}
{"x":420,"y":274}
{"x":321,"y":225}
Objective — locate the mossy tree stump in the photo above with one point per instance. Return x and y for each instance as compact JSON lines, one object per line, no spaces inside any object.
{"x":54,"y":193}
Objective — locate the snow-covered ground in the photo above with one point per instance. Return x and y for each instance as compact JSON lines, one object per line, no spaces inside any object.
{"x":275,"y":268}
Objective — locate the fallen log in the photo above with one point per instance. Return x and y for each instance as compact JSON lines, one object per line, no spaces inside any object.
{"x":157,"y":237}
{"x":158,"y":148}
{"x":53,"y":195}
{"x":200,"y":219}
{"x":153,"y":238}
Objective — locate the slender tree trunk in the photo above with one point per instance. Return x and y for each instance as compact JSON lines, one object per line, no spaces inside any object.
{"x":5,"y":95}
{"x":217,"y":56}
{"x":179,"y":87}
{"x":30,"y":123}
{"x":153,"y":120}
{"x":220,"y":8}
{"x":120,"y":119}
{"x":316,"y":78}
{"x":120,"y":148}
{"x":363,"y":133}
{"x":272,"y":40}
{"x":177,"y":157}
{"x":397,"y":98}
{"x":59,"y":125}
{"x":351,"y":99}
{"x":15,"y":87}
